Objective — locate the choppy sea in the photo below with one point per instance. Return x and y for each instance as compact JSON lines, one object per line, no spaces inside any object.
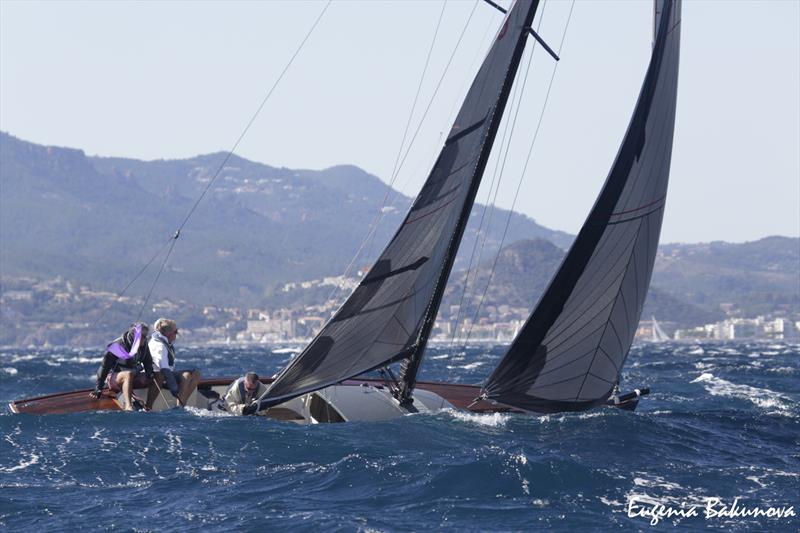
{"x":721,"y":425}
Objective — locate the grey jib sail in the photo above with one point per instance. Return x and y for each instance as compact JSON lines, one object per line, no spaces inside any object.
{"x":569,"y":354}
{"x":382,"y":321}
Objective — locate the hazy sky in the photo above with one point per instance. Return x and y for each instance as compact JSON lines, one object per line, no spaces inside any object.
{"x":167,"y":80}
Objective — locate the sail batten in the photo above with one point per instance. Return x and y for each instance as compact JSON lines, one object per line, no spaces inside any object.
{"x":569,"y":353}
{"x":389,"y":315}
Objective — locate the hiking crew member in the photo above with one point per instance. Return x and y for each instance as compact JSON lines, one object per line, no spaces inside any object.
{"x":180,"y":383}
{"x":242,"y":395}
{"x":126,"y":365}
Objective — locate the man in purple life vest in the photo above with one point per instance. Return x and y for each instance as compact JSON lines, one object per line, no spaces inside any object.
{"x":126,"y":365}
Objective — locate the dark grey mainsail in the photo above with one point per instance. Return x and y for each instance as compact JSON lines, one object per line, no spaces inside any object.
{"x":388,"y":317}
{"x":569,"y":354}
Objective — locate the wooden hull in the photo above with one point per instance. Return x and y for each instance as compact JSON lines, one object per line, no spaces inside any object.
{"x":459,"y":396}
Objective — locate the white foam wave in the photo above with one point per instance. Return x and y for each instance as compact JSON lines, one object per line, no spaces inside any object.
{"x":92,"y":360}
{"x":763,"y":398}
{"x":205,"y":413}
{"x":731,"y":351}
{"x":489,"y":420}
{"x":10,"y":370}
{"x":591,"y":414}
{"x":439,"y":357}
{"x":468,"y":366}
{"x":656,"y":481}
{"x":757,"y":481}
{"x":23,"y":464}
{"x":610,"y":502}
{"x":19,"y":358}
{"x":284,"y":351}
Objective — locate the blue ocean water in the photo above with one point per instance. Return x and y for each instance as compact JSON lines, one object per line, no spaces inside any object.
{"x":723,"y":422}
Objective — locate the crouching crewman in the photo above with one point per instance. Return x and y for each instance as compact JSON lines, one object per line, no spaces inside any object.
{"x":242,"y":395}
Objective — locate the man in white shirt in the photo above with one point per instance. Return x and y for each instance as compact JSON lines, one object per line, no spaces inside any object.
{"x":181,"y":383}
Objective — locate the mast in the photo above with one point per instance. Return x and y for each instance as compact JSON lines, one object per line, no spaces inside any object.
{"x":389,"y":316}
{"x":410,"y":366}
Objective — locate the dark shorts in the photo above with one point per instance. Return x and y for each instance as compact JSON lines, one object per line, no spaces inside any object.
{"x":179,"y":377}
{"x":139,"y":382}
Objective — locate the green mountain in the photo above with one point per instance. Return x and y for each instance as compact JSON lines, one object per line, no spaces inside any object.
{"x":748,"y":279}
{"x":523,"y":270}
{"x":100,"y":220}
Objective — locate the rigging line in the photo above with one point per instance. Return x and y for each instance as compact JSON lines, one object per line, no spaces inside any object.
{"x":131,"y":282}
{"x":155,"y":281}
{"x":501,"y":167}
{"x":527,"y":159}
{"x":435,"y":92}
{"x":416,"y":99}
{"x":497,"y":189}
{"x":491,"y":200}
{"x":433,"y":97}
{"x":225,"y":160}
{"x":480,"y":224}
{"x":395,"y":169}
{"x":255,"y":115}
{"x":372,"y":229}
{"x":413,"y":138}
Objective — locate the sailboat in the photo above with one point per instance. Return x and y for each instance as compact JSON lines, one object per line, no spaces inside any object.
{"x":569,"y":354}
{"x":659,"y":335}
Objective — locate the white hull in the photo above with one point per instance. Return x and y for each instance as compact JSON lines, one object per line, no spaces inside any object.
{"x":337,"y":403}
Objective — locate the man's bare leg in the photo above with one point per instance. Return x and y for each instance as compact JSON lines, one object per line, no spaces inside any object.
{"x":125,"y":380}
{"x":188,"y":385}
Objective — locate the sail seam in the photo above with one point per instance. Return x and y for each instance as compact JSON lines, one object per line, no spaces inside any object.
{"x":594,"y":288}
{"x":610,"y":360}
{"x":457,"y":136}
{"x":410,"y":220}
{"x":565,"y":351}
{"x":626,"y":312}
{"x":564,"y":365}
{"x":564,"y":326}
{"x":640,"y":207}
{"x":656,"y":210}
{"x":614,"y":329}
{"x":601,"y":379}
{"x":632,"y":255}
{"x":588,"y":285}
{"x":401,"y":325}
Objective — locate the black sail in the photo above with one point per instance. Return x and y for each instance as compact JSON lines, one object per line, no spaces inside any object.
{"x":569,"y":354}
{"x":383,"y":320}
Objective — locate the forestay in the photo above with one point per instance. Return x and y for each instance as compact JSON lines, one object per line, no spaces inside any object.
{"x":388,"y":317}
{"x":569,"y":354}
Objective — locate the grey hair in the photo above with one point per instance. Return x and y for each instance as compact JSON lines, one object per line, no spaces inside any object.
{"x":165,"y":325}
